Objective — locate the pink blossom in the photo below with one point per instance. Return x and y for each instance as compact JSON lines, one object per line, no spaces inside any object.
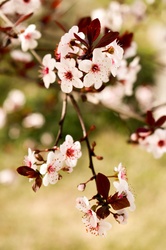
{"x":21,"y":7}
{"x":71,"y":151}
{"x":51,"y":167}
{"x":115,"y":53}
{"x":121,"y":216}
{"x":121,"y":171}
{"x":123,"y":190}
{"x":47,"y":70}
{"x":68,"y":43}
{"x":127,"y":75}
{"x":100,"y":229}
{"x":97,"y":69}
{"x":28,"y":37}
{"x":155,"y":143}
{"x":69,"y":75}
{"x":30,"y":159}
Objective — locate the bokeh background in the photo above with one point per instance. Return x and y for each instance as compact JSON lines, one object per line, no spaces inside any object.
{"x":48,"y":220}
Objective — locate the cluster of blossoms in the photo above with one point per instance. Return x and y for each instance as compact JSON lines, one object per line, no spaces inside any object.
{"x":83,"y":61}
{"x":152,"y":138}
{"x":59,"y":158}
{"x":106,"y":204}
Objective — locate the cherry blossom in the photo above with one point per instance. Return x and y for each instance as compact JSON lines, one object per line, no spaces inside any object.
{"x":100,"y":229}
{"x":155,"y":143}
{"x":28,"y":37}
{"x":30,"y":159}
{"x":69,"y":75}
{"x":121,"y":172}
{"x":93,"y":224}
{"x":127,"y":74}
{"x":21,"y":7}
{"x":51,"y":167}
{"x":123,"y":190}
{"x":68,"y":43}
{"x":97,"y":69}
{"x":115,"y":53}
{"x":21,"y":56}
{"x":47,"y":73}
{"x":121,"y":216}
{"x":71,"y":151}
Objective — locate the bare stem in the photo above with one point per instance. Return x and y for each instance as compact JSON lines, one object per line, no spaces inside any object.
{"x":85,"y":137}
{"x":61,"y":122}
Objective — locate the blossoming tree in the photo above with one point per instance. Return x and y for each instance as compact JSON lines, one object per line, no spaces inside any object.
{"x":93,"y":61}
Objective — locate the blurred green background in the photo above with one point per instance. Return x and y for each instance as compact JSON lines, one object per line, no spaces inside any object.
{"x":48,"y":220}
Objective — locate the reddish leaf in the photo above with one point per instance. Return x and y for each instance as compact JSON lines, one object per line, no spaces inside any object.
{"x":83,"y":24}
{"x":103,"y":185}
{"x":150,"y":119}
{"x":23,"y":18}
{"x":37,"y":184}
{"x":160,"y":121}
{"x":93,"y":30}
{"x":103,"y":212}
{"x":28,"y":172}
{"x":125,"y":40}
{"x":107,"y":39}
{"x":118,"y":202}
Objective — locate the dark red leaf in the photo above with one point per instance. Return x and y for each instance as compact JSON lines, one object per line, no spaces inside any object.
{"x":118,"y":202}
{"x":103,"y":212}
{"x":83,"y":24}
{"x":27,"y":171}
{"x":125,"y":40}
{"x":107,"y":39}
{"x":150,"y":119}
{"x":93,"y":30}
{"x":37,"y":184}
{"x":160,"y":121}
{"x":23,"y":18}
{"x":103,"y":185}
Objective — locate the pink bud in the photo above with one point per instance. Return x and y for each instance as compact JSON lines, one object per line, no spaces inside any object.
{"x":81,"y":187}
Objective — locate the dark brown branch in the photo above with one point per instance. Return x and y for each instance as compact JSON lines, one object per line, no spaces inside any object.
{"x":61,"y":122}
{"x":85,"y":136}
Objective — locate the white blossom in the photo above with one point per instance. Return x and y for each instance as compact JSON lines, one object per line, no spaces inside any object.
{"x":47,"y":70}
{"x":69,"y":75}
{"x":28,"y":37}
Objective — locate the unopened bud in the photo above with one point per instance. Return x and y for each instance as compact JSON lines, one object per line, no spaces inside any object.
{"x":81,"y":187}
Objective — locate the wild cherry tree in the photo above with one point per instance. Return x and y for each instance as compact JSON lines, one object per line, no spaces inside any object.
{"x":93,"y":60}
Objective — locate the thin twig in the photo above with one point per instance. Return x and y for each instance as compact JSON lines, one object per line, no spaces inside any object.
{"x":61,"y":122}
{"x":85,"y":137}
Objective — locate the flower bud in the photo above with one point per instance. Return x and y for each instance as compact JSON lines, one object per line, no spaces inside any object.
{"x":81,"y":187}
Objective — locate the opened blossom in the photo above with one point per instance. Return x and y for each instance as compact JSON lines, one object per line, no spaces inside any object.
{"x":71,"y":151}
{"x":97,"y":70}
{"x":30,"y":159}
{"x":47,"y":70}
{"x":51,"y":167}
{"x":28,"y":37}
{"x":115,"y":53}
{"x":93,"y":224}
{"x":127,"y":75}
{"x":69,"y":75}
{"x":155,"y":143}
{"x":68,"y":43}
